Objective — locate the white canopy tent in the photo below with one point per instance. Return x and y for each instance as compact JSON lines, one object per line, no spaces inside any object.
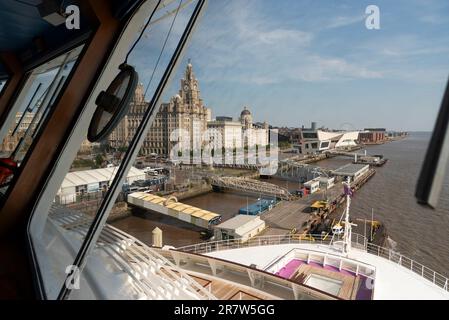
{"x":90,"y":181}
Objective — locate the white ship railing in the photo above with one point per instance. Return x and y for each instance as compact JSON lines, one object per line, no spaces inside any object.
{"x":358,"y":241}
{"x":408,"y":263}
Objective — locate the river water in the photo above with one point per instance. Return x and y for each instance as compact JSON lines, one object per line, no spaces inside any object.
{"x":418,"y":232}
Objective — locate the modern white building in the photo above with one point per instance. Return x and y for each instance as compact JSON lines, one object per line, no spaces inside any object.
{"x":314,"y":141}
{"x":86,"y":182}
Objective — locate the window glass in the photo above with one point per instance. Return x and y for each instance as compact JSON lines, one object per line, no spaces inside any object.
{"x":30,"y":111}
{"x":324,"y":144}
{"x":308,"y":135}
{"x":2,"y":84}
{"x":91,"y":173}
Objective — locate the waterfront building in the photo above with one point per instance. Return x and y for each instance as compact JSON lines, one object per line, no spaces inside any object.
{"x":87,"y":146}
{"x":396,"y":134}
{"x":23,"y":122}
{"x":225,"y":133}
{"x":254,"y":133}
{"x":185,"y":112}
{"x":26,"y":121}
{"x":292,"y":135}
{"x":314,"y":141}
{"x":372,"y":135}
{"x":10,"y":142}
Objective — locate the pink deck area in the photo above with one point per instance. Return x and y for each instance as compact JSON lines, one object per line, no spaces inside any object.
{"x":289,"y":269}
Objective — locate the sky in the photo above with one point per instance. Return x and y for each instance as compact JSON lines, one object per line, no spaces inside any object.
{"x":296,"y":61}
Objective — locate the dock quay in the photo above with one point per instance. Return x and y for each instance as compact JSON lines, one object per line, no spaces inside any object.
{"x":289,"y":217}
{"x":372,"y":161}
{"x":360,"y":158}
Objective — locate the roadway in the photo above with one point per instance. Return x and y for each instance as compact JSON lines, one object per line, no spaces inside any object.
{"x":293,"y":214}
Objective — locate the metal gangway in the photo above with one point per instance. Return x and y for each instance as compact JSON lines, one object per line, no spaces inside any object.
{"x":251,"y":186}
{"x":297,"y":171}
{"x":350,"y":154}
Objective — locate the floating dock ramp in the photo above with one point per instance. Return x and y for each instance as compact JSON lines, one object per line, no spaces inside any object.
{"x":250,"y":186}
{"x":171,"y":207}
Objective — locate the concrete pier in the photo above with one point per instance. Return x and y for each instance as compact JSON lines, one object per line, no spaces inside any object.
{"x":294,"y":216}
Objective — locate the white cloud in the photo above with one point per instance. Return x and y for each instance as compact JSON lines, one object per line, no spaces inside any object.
{"x":325,"y":69}
{"x":254,"y":50}
{"x":276,"y":36}
{"x":343,"y":21}
{"x":405,"y":46}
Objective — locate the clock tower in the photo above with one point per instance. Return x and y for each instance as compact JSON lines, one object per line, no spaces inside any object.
{"x":190,"y":92}
{"x":185,"y":111}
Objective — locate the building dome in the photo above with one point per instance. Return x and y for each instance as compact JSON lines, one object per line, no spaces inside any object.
{"x":245,"y":112}
{"x":246,"y":119}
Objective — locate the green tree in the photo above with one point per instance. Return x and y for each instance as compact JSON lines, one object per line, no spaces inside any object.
{"x":99,"y":160}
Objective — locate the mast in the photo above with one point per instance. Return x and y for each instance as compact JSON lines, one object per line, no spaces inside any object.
{"x":348,"y":228}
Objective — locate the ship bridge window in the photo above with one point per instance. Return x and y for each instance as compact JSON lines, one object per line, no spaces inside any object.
{"x":30,"y":111}
{"x":99,"y":177}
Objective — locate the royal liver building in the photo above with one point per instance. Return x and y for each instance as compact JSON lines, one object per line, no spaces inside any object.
{"x":185,"y":114}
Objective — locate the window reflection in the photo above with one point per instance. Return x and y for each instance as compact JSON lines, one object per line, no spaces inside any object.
{"x":2,"y":84}
{"x":31,"y":110}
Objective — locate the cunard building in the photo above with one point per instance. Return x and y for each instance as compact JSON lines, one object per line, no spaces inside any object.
{"x":184,"y":117}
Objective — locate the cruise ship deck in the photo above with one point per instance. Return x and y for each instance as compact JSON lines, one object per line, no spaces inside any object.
{"x":270,"y":267}
{"x":390,"y":279}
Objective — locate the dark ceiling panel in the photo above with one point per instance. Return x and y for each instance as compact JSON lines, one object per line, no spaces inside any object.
{"x":19,"y":24}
